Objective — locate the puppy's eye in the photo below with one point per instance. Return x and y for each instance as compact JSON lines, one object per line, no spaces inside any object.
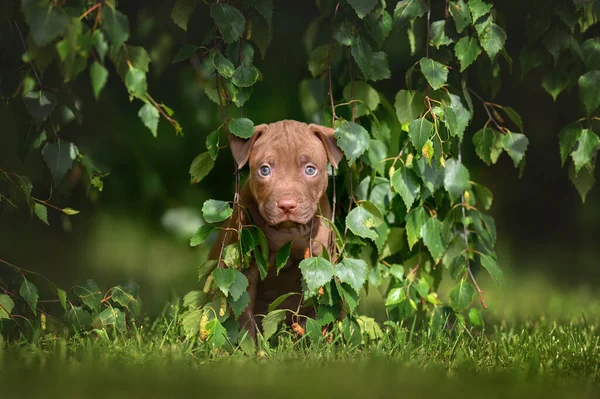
{"x":264,"y":170}
{"x":310,"y":170}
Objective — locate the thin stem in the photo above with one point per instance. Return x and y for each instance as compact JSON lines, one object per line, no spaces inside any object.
{"x":329,"y":60}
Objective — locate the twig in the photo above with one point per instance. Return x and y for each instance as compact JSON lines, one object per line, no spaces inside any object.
{"x":466,"y":238}
{"x":329,"y":60}
{"x":487,"y":110}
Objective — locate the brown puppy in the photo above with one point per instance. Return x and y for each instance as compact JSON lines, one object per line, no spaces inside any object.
{"x":284,"y":192}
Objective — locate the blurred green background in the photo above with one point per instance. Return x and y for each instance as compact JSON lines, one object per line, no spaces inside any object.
{"x":139,"y":226}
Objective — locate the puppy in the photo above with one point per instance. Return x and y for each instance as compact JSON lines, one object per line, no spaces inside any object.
{"x":284,"y":195}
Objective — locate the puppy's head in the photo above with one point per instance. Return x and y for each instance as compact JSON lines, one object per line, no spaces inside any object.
{"x":288,"y":169}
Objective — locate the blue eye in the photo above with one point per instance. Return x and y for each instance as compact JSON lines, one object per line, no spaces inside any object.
{"x":265,"y":170}
{"x":310,"y":170}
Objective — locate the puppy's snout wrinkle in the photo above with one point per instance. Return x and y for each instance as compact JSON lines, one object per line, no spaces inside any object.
{"x":287,"y":204}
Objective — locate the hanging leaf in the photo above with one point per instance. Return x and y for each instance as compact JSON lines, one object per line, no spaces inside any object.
{"x":353,"y":139}
{"x":229,"y":20}
{"x":515,"y":145}
{"x":415,"y":220}
{"x":362,"y":7}
{"x":214,"y":211}
{"x":98,"y":76}
{"x":113,"y":317}
{"x":405,"y":182}
{"x":185,"y":52}
{"x":6,"y":306}
{"x":316,"y":272}
{"x":40,"y":105}
{"x":29,"y":292}
{"x":588,"y":145}
{"x":90,"y":294}
{"x":567,"y":139}
{"x":363,"y":219}
{"x":224,"y":66}
{"x":432,"y":238}
{"x":492,"y":39}
{"x":479,"y":8}
{"x":224,"y":278}
{"x":456,"y":177}
{"x":182,"y":11}
{"x":59,"y":157}
{"x":420,"y":131}
{"x":46,"y":21}
{"x":461,"y":296}
{"x":588,"y":90}
{"x":408,"y":10}
{"x":200,"y":167}
{"x":484,"y":141}
{"x":467,"y":50}
{"x":238,"y":306}
{"x":239,"y":285}
{"x":150,"y":116}
{"x":583,"y":181}
{"x":212,"y":144}
{"x":241,"y":127}
{"x":135,"y":81}
{"x":353,"y":272}
{"x":283,"y":255}
{"x":201,"y":235}
{"x":41,"y":211}
{"x":245,"y":75}
{"x":460,"y":13}
{"x":366,"y":94}
{"x":491,"y":265}
{"x":271,"y":322}
{"x":115,"y":25}
{"x":436,"y":73}
{"x":318,"y":60}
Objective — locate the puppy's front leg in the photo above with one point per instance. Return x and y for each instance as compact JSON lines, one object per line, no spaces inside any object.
{"x":246,"y":319}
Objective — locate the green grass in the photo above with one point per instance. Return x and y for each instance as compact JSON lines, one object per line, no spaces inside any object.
{"x":548,"y":346}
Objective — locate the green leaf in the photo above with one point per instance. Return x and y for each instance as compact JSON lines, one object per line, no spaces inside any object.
{"x":313,"y":330}
{"x":271,"y":322}
{"x":484,"y":141}
{"x":362,"y":7}
{"x":584,"y":180}
{"x":200,"y":167}
{"x":239,"y":285}
{"x":224,"y":278}
{"x":436,"y":73}
{"x":363,"y":219}
{"x":484,"y":196}
{"x":491,"y":265}
{"x":280,"y":300}
{"x":98,"y":75}
{"x":415,"y":220}
{"x":212,"y":144}
{"x":135,"y":81}
{"x":591,"y":53}
{"x":363,"y":55}
{"x":113,"y":316}
{"x":128,"y":297}
{"x":41,"y":211}
{"x":40,"y":105}
{"x":406,"y":183}
{"x":467,"y":50}
{"x":409,"y":105}
{"x":352,"y":272}
{"x":353,"y":139}
{"x":515,"y":145}
{"x":283,"y":255}
{"x":567,"y":139}
{"x":420,"y":130}
{"x":432,"y":238}
{"x":245,"y":75}
{"x":232,"y":255}
{"x":475,"y":318}
{"x":185,"y":52}
{"x":588,"y":145}
{"x":224,"y":66}
{"x":78,"y":318}
{"x":90,"y":294}
{"x":265,"y":8}
{"x":241,"y":127}
{"x":229,"y":20}
{"x":115,"y":25}
{"x":59,"y":157}
{"x":150,"y":116}
{"x":191,"y":322}
{"x":316,"y":272}
{"x":514,"y":117}
{"x":438,"y":34}
{"x":45,"y":21}
{"x":318,"y":60}
{"x":100,"y":44}
{"x":479,"y":8}
{"x":379,"y":26}
{"x":238,"y":306}
{"x":456,"y":177}
{"x":408,"y":10}
{"x":215,"y":211}
{"x":395,"y":296}
{"x":62,"y":298}
{"x":29,"y":292}
{"x":380,"y":68}
{"x":461,"y":296}
{"x":460,"y":14}
{"x":327,"y":314}
{"x":6,"y":306}
{"x":366,"y":94}
{"x":555,"y":82}
{"x":201,"y":235}
{"x":182,"y":11}
{"x":588,"y":90}
{"x":194,"y":299}
{"x":492,"y":39}
{"x":463,"y":115}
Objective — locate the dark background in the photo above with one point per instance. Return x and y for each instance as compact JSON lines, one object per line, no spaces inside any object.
{"x":139,"y":226}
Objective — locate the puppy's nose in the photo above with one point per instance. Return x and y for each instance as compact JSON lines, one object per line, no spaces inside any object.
{"x":287,"y":205}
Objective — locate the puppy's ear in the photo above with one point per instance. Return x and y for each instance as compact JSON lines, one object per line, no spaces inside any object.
{"x":240,"y":148}
{"x":325,"y":134}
